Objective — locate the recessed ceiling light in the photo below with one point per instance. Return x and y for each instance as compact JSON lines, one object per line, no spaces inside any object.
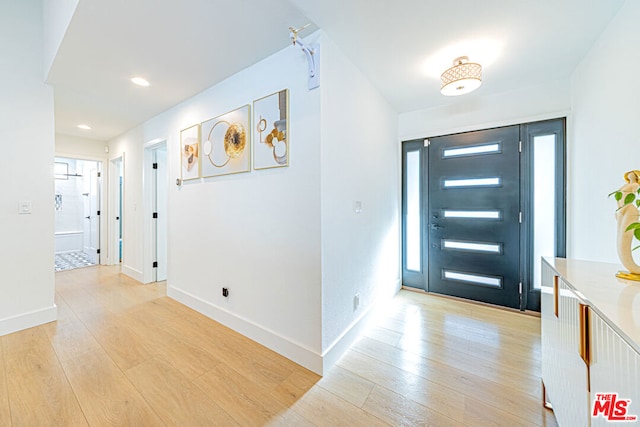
{"x":84,"y":127}
{"x":140,"y":81}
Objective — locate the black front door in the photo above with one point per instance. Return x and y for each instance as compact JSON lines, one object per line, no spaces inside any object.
{"x":474,"y":216}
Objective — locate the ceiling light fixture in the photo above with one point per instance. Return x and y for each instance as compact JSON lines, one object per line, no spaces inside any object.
{"x":140,"y":81}
{"x":462,"y":78}
{"x":84,"y":127}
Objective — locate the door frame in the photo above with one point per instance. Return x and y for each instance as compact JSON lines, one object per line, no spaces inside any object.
{"x":528,"y":129}
{"x":116,"y":164}
{"x":416,"y":279}
{"x":95,"y":212}
{"x":150,"y":192}
{"x":531,"y":297}
{"x":102,"y":200}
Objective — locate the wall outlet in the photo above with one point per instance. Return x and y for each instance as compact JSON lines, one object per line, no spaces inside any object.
{"x":225,"y":292}
{"x":356,"y":302}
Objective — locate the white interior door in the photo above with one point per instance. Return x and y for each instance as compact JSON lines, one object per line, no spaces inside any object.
{"x":91,"y":223}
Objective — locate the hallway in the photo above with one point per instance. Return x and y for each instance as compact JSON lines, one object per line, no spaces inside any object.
{"x":123,"y":353}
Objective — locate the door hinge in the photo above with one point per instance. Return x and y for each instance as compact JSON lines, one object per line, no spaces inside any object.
{"x":520,"y":217}
{"x":99,"y":174}
{"x":520,"y":147}
{"x":520,"y":288}
{"x":155,"y":215}
{"x":427,"y":142}
{"x":98,"y":251}
{"x":98,"y":213}
{"x":155,"y":264}
{"x":155,"y":166}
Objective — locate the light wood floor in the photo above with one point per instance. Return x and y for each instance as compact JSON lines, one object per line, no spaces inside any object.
{"x":124,"y":354}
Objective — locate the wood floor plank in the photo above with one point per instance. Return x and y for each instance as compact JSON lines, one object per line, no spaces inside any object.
{"x":324,"y":408}
{"x":39,"y":394}
{"x":247,"y":402}
{"x":106,"y":396}
{"x":382,"y":334}
{"x":27,"y":339}
{"x":256,"y":362}
{"x":121,"y":343}
{"x":191,"y":360}
{"x":176,"y":399}
{"x":72,"y":341}
{"x":397,"y":410}
{"x":295,"y":386}
{"x":508,"y":396}
{"x":5,"y":411}
{"x":503,"y":367}
{"x":432,"y":395}
{"x":347,"y":385}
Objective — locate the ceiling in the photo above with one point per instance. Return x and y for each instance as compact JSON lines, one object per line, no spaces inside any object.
{"x":185,"y":47}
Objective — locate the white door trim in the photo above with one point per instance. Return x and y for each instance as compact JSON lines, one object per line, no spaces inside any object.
{"x":113,"y":211}
{"x":149,"y":194}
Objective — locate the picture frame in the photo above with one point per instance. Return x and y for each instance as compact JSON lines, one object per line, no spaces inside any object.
{"x":226,"y":143}
{"x":190,"y":153}
{"x":271,"y":129}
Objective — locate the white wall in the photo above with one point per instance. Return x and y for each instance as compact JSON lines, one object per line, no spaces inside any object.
{"x":257,"y":233}
{"x":286,"y":241}
{"x":80,"y":148}
{"x":360,"y":163}
{"x":26,"y":121}
{"x":605,"y":140}
{"x":131,"y":144}
{"x":57,"y":16}
{"x":481,"y":112}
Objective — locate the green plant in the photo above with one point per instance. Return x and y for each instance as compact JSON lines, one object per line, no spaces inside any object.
{"x":629,"y":199}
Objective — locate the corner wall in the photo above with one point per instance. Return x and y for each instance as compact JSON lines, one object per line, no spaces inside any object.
{"x":606,"y":141}
{"x":285,"y":241}
{"x":359,"y":165}
{"x":26,"y":121}
{"x":57,"y":16}
{"x":257,"y":233}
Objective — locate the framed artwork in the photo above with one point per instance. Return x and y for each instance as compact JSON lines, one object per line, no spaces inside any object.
{"x":226,"y":143}
{"x":271,"y":130}
{"x":190,"y":153}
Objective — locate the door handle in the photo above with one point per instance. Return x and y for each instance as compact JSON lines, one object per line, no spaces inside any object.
{"x":117,"y":218}
{"x":87,"y":217}
{"x":436,"y":226}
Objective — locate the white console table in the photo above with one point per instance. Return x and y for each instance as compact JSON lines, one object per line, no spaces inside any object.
{"x":590,"y":339}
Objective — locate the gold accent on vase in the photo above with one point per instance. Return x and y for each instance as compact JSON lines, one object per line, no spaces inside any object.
{"x":628,"y":276}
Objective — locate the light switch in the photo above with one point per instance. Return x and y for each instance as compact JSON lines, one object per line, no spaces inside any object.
{"x":24,"y":208}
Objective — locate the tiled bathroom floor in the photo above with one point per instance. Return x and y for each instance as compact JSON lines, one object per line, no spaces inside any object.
{"x":70,"y":260}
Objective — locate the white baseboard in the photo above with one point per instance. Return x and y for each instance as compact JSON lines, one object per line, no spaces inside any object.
{"x":346,"y":340}
{"x":337,"y":348}
{"x":28,"y":320}
{"x":132,"y":272}
{"x":270,"y":339}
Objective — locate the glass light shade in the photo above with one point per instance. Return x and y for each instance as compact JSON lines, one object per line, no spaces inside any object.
{"x":462,"y":78}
